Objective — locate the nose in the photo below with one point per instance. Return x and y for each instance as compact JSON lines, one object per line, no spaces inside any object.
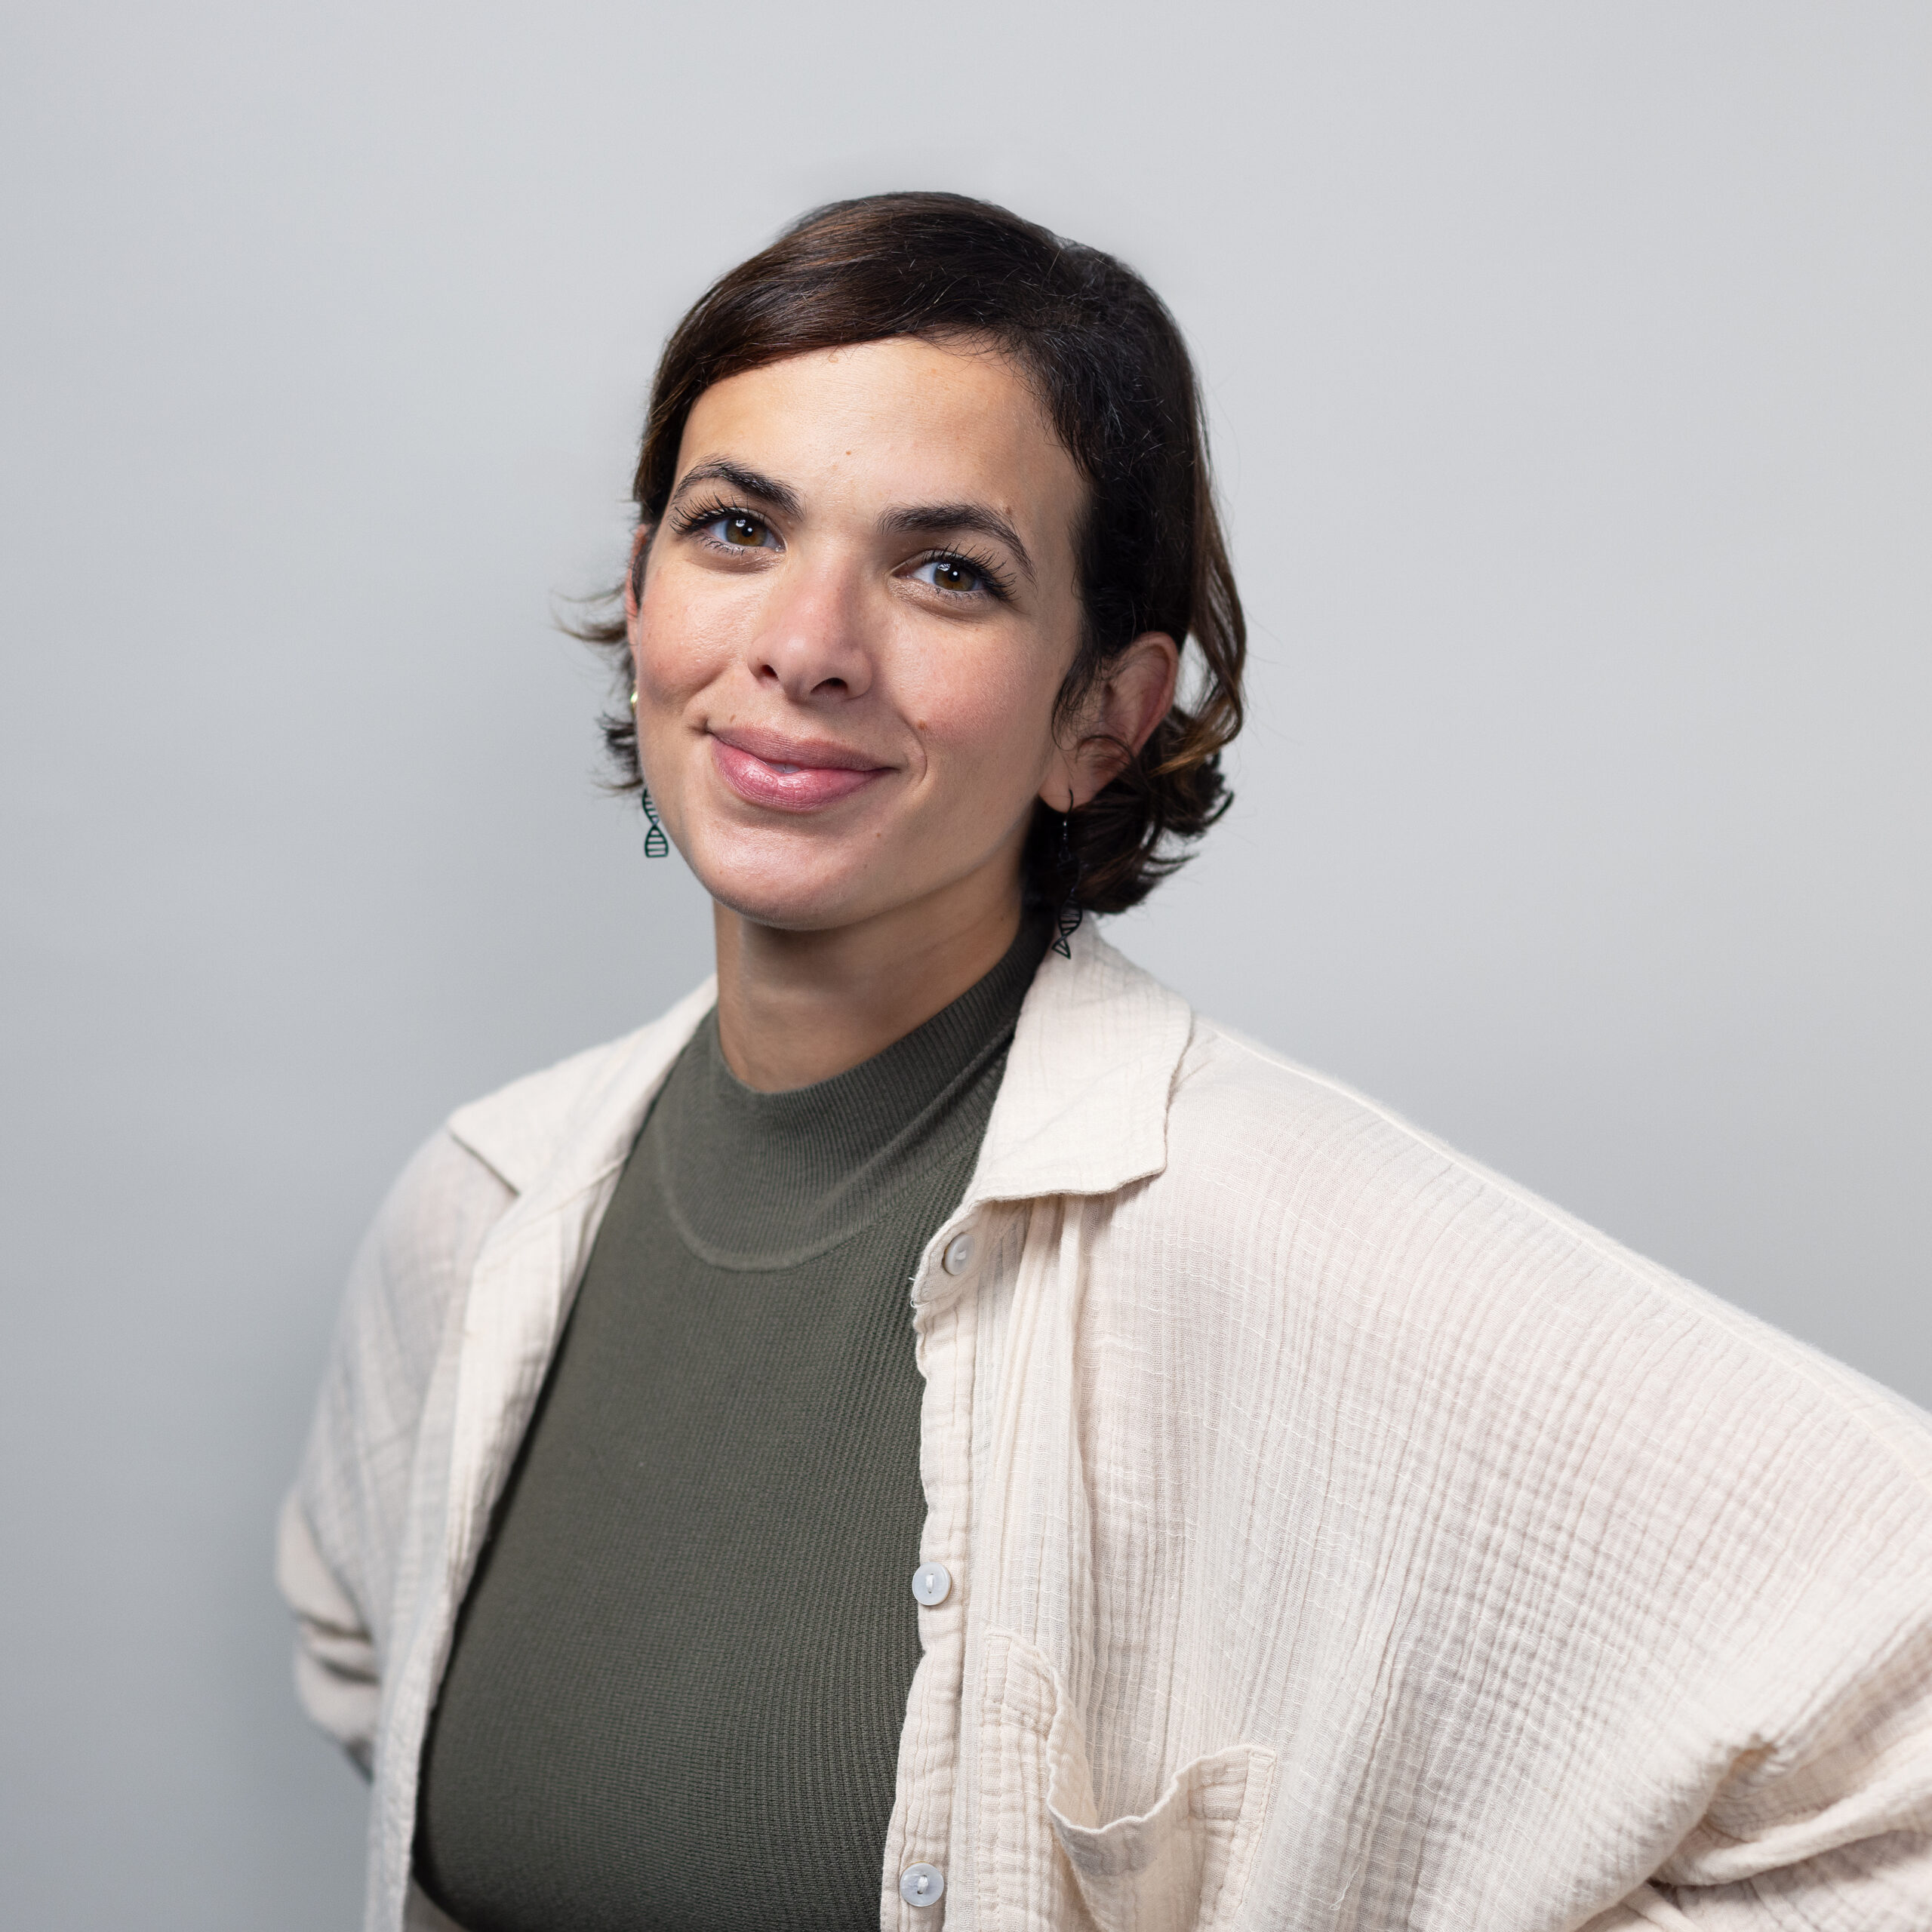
{"x":812,"y":646}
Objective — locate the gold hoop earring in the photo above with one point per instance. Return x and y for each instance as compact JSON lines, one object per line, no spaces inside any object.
{"x":633,"y":698}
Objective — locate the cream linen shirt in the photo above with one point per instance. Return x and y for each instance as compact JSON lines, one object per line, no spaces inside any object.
{"x":1339,"y":1537}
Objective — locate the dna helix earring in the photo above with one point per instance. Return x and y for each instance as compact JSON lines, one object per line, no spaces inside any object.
{"x":656,"y":845}
{"x":1073,"y":868}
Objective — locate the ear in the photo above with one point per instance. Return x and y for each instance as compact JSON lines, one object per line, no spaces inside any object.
{"x":1117,"y":718}
{"x":634,"y":572}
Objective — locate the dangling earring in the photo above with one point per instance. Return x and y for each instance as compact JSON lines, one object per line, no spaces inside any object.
{"x":1071,"y":910}
{"x":656,"y":845}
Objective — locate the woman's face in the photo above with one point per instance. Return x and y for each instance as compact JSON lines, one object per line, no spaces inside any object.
{"x":857,"y":613}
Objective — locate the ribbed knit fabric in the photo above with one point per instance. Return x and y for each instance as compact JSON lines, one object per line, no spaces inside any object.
{"x":678,"y":1684}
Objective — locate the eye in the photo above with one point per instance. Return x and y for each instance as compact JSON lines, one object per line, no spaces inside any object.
{"x":952,"y":573}
{"x":741,"y":531}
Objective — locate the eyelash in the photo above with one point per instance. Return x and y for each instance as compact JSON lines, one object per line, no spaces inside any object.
{"x":695,"y":516}
{"x":993,"y":580}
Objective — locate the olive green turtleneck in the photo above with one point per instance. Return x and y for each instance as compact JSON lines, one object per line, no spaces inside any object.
{"x":678,"y":1682}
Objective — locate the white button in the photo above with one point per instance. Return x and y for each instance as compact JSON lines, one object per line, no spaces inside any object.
{"x":922,"y":1884}
{"x":959,"y":1255}
{"x":930,"y":1583}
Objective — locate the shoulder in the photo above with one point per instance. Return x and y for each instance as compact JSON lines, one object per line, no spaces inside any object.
{"x":1291,"y":1134}
{"x":519,"y":1131}
{"x":470,"y":1171}
{"x":424,"y":1245}
{"x":1297,"y":1185}
{"x":410,"y":1277}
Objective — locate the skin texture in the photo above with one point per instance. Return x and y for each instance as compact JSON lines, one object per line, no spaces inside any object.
{"x":843,"y":727}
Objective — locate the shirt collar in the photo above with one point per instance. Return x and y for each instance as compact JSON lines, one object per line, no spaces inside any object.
{"x":582,"y":1115}
{"x":1082,"y":1108}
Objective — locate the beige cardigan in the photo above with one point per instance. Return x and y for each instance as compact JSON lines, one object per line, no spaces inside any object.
{"x":1339,"y":1537}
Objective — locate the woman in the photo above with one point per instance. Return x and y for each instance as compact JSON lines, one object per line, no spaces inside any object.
{"x":933,"y":1429}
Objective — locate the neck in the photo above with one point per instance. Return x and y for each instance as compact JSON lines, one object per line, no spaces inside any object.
{"x":795,"y":1007}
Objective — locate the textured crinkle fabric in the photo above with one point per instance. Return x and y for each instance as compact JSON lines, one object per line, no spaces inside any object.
{"x":1341,"y":1540}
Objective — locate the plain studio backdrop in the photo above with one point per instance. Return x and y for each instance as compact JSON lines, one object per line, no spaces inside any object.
{"x":1568,"y":369}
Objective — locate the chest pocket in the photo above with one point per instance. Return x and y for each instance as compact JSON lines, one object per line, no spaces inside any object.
{"x":1046,"y":1862}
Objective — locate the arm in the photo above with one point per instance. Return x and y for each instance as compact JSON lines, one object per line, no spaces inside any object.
{"x":344,"y":1523}
{"x":1831,"y":1831}
{"x":336,"y":1680}
{"x":1824,"y":1825}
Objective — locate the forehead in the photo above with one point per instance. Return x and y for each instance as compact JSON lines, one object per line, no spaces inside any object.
{"x":903,"y":420}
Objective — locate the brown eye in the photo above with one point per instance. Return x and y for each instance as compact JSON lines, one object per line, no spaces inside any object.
{"x":746,"y":532}
{"x":952,"y":573}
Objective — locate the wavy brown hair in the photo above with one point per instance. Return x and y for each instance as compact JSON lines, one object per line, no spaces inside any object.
{"x":1114,"y":376}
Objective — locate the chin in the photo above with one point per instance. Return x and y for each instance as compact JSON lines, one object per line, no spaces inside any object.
{"x":795,"y":892}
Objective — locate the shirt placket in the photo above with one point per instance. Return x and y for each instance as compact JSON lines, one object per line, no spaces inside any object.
{"x":946,"y":1321}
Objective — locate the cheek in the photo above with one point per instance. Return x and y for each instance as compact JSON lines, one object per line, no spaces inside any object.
{"x":679,"y":646}
{"x":679,"y":638}
{"x":985,"y":717}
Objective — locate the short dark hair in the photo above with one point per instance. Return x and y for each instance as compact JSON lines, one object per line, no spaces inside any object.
{"x":1114,"y":375}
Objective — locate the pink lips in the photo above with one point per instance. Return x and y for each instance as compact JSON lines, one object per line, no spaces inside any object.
{"x":789,"y":774}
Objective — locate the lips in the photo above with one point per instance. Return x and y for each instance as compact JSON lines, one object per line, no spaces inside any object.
{"x":790,"y":774}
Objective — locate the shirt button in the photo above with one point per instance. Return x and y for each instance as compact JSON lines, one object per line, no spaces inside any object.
{"x":959,"y":1255}
{"x":930,"y":1583}
{"x":922,"y":1884}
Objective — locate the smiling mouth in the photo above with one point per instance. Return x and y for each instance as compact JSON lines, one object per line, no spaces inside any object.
{"x":788,"y":776}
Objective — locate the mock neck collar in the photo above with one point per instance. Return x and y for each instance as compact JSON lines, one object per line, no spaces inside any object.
{"x":1082,"y":1108}
{"x":756,"y":1179}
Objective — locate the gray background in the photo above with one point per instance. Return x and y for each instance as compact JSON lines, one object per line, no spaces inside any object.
{"x":1569,"y":372}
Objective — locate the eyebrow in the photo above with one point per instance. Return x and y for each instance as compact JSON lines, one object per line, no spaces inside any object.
{"x":936,"y":519}
{"x":746,"y":482}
